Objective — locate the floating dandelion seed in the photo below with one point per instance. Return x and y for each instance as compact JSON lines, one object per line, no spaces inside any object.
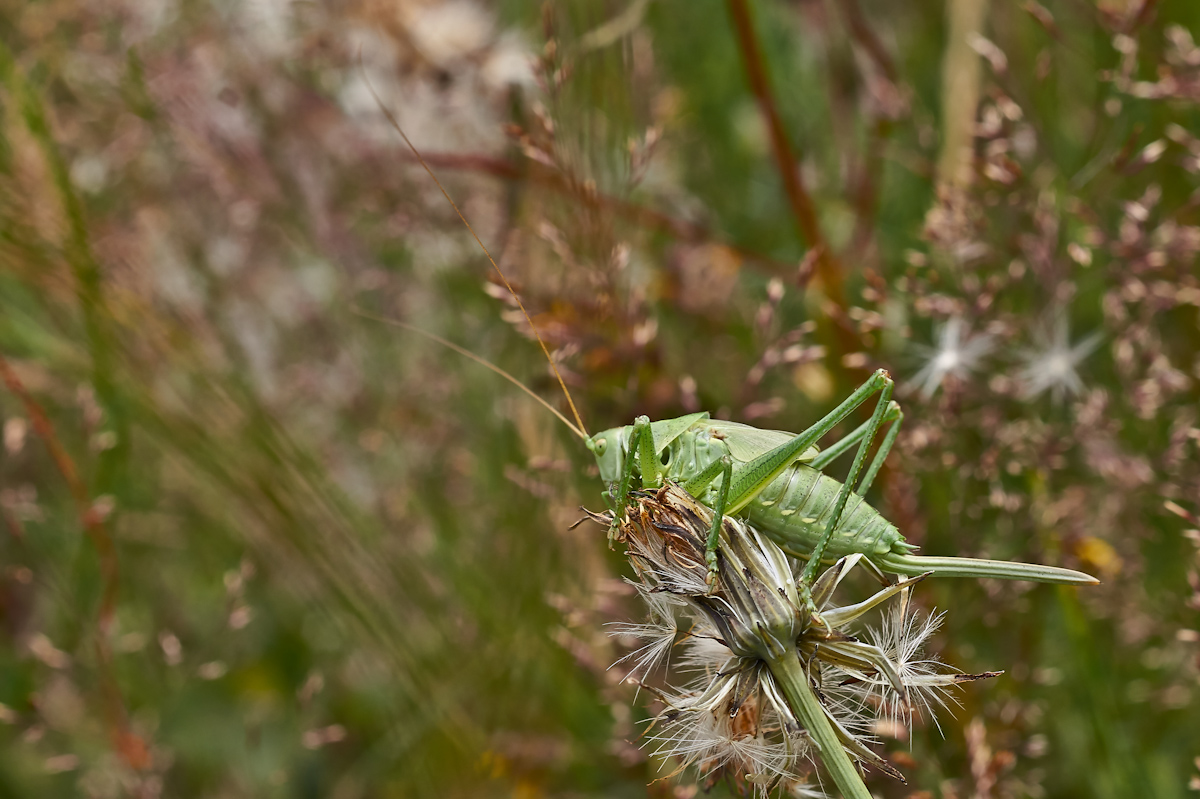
{"x":768,"y":687}
{"x":1053,"y":365}
{"x":957,"y":353}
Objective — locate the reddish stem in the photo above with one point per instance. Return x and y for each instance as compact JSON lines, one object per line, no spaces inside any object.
{"x":127,"y":743}
{"x":801,"y":203}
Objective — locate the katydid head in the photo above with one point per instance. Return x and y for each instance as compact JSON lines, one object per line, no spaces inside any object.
{"x":610,"y":448}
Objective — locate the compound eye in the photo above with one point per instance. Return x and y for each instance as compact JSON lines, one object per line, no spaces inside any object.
{"x":601,"y":446}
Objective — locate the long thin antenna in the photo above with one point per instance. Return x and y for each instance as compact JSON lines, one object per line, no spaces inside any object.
{"x":574,"y":411}
{"x":481,"y":361}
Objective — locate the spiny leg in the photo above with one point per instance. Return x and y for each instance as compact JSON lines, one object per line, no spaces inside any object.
{"x":884,"y":449}
{"x":754,"y":476}
{"x":809,"y":575}
{"x":651,"y":467}
{"x":906,"y":563}
{"x":894,"y":416}
{"x":750,"y":479}
{"x":641,"y":442}
{"x":867,"y":430}
{"x":843,"y":445}
{"x":738,"y":490}
{"x":724,"y":468}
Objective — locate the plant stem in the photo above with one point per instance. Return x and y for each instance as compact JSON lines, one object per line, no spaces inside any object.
{"x":789,"y":673}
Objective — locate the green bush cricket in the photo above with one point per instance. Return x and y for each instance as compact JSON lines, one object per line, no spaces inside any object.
{"x":775,"y":480}
{"x":772,"y":478}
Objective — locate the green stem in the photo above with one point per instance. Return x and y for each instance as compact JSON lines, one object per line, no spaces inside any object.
{"x":789,"y":674}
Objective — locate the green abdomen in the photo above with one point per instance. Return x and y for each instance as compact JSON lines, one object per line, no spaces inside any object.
{"x":795,"y":508}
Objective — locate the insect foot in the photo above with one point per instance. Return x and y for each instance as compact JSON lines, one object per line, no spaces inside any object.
{"x":714,"y":570}
{"x":768,"y":693}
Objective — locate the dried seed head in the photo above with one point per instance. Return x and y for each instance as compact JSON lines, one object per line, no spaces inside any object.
{"x":733,"y":717}
{"x":755,"y":605}
{"x":902,"y":636}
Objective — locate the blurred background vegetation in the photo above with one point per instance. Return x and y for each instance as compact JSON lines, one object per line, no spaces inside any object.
{"x":257,"y":543}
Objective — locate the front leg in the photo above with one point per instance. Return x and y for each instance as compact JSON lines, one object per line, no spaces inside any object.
{"x":696,"y":486}
{"x":641,"y":447}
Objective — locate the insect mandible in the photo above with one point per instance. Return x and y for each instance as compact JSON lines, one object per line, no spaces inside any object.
{"x":772,"y":478}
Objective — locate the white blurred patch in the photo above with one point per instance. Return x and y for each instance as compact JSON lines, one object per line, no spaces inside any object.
{"x":509,"y":63}
{"x":225,"y":255}
{"x":89,"y":173}
{"x":267,"y":24}
{"x":148,"y":18}
{"x":448,"y":33}
{"x":259,"y":341}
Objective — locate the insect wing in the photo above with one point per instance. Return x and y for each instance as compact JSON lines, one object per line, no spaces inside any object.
{"x":746,"y":443}
{"x":668,"y":430}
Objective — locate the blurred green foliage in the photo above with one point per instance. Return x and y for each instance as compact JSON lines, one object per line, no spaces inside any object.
{"x":287,"y":550}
